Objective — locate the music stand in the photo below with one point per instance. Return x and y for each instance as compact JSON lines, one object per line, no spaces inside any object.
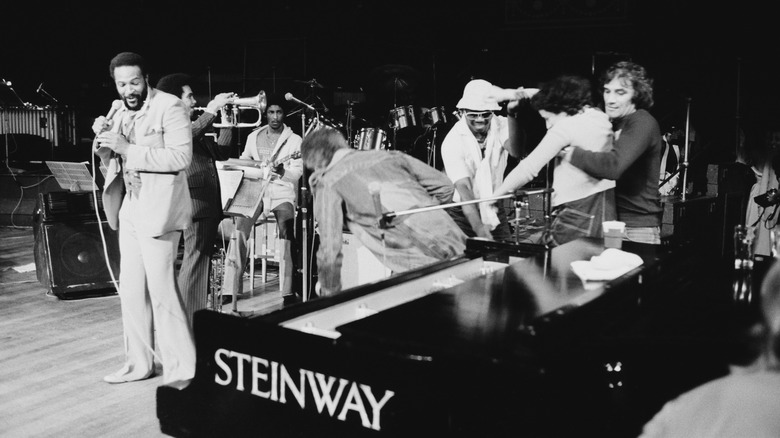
{"x":74,"y":177}
{"x":246,"y":202}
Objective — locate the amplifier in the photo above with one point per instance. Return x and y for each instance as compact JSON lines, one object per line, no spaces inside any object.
{"x":67,"y":205}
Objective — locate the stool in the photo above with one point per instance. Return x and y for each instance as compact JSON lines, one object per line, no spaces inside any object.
{"x":266,"y":253}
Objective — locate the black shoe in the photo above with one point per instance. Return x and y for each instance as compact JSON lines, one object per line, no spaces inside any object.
{"x":291,"y":299}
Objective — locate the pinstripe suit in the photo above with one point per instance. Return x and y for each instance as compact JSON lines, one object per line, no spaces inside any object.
{"x":206,"y":212}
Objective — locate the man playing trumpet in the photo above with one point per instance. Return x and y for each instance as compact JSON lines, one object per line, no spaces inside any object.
{"x":204,"y":186}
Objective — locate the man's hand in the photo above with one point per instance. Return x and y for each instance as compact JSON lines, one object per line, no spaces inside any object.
{"x":484,"y":231}
{"x":114,"y":141}
{"x":101,"y":124}
{"x":219,"y":101}
{"x":513,"y":97}
{"x":278,"y":171}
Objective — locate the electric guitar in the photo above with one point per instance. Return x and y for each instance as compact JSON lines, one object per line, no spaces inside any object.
{"x":251,"y":167}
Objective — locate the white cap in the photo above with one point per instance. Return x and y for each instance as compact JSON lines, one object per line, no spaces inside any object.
{"x":478,"y":96}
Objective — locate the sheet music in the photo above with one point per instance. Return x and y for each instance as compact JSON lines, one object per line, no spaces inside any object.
{"x":72,"y":176}
{"x":251,"y":168}
{"x":229,"y":180}
{"x":247,"y":198}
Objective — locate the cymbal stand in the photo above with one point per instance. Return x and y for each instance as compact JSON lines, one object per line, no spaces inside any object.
{"x":349,"y":122}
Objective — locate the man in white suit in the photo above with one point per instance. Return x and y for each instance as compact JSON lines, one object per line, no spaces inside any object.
{"x":146,"y":143}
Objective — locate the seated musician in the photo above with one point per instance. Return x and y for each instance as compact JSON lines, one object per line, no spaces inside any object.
{"x":276,"y":144}
{"x":356,"y":187}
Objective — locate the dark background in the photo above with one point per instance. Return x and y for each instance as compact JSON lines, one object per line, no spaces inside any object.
{"x":712,"y":65}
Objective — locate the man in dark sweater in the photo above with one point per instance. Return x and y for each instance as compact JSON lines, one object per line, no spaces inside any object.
{"x":634,"y":162}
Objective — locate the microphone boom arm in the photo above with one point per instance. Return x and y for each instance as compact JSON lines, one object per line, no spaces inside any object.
{"x":388,"y":217}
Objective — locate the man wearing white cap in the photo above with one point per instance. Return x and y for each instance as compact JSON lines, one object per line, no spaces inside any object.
{"x":474,"y":154}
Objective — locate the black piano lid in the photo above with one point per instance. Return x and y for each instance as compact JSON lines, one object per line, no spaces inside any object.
{"x":485,"y":317}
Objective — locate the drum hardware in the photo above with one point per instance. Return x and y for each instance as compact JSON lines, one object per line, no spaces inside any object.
{"x":311,"y":83}
{"x":370,"y":139}
{"x":434,"y":116}
{"x":217,"y":279}
{"x":403,"y":117}
{"x":349,"y":121}
{"x":311,"y":96}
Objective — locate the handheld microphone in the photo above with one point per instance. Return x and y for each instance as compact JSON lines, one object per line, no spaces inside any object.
{"x":292,"y":98}
{"x":115,"y":106}
{"x":6,"y":83}
{"x":40,"y":87}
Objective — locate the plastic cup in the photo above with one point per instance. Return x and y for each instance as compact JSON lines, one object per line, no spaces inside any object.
{"x":613,"y":233}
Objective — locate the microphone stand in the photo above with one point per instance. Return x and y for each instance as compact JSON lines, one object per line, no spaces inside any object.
{"x":387,"y":218}
{"x":685,"y":156}
{"x":46,"y":94}
{"x":24,"y":104}
{"x":305,"y":204}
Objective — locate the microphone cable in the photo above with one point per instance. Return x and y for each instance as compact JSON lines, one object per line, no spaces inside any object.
{"x":108,"y":259}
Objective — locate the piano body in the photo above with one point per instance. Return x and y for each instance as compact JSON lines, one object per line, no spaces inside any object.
{"x":504,"y":341}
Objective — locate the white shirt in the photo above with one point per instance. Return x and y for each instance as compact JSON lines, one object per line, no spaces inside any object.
{"x":590,"y":130}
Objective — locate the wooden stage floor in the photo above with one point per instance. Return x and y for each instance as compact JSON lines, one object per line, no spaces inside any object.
{"x":55,"y":353}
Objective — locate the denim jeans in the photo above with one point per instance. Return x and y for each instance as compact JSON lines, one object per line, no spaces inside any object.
{"x":581,"y":218}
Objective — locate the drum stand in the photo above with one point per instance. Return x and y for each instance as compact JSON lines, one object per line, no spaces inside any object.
{"x":395,"y":105}
{"x":432,"y":149}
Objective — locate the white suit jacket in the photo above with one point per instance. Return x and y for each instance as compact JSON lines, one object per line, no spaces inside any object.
{"x":161,"y":152}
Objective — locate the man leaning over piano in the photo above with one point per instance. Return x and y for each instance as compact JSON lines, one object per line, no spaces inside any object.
{"x":357,"y":188}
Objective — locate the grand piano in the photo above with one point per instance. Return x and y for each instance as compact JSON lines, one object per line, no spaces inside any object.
{"x":503,"y":341}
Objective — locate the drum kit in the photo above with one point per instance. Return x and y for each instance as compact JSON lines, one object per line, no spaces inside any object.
{"x":405,"y":127}
{"x":401,"y":119}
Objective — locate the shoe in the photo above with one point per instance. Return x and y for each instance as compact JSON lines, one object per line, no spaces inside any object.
{"x":122,"y":376}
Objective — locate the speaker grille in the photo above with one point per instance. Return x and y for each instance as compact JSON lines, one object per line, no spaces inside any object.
{"x":71,"y":258}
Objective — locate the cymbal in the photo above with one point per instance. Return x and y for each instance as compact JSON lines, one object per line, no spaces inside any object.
{"x":311,"y":83}
{"x":395,"y":76}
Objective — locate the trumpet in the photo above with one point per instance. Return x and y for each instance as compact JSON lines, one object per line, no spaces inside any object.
{"x":230,"y":114}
